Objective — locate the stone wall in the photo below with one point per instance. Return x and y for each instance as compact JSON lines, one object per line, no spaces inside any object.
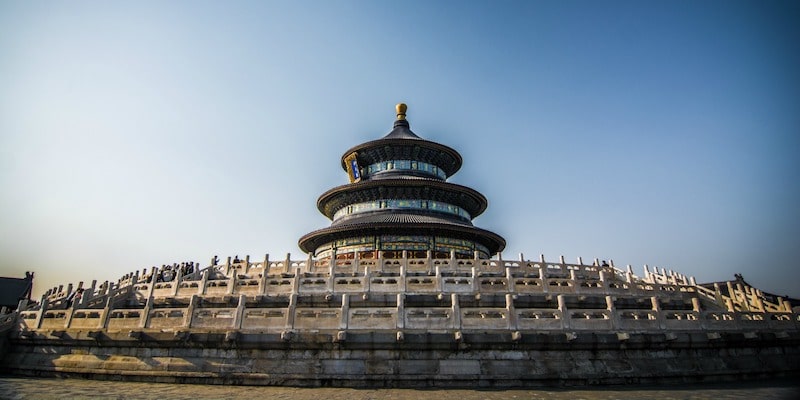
{"x":404,"y":322}
{"x":418,"y":360}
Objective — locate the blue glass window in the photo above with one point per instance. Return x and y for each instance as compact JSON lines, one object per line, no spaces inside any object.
{"x":406,"y":165}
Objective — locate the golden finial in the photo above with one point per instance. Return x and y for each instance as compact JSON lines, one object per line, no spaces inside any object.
{"x":401,"y":111}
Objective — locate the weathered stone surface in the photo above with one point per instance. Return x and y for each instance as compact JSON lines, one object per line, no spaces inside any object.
{"x":479,"y":339}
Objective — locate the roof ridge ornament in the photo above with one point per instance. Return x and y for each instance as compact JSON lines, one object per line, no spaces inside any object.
{"x":401,"y":111}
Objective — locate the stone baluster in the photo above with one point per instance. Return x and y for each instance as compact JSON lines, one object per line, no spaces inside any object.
{"x":69,"y":313}
{"x":237,"y":321}
{"x":401,"y":310}
{"x":729,"y":304}
{"x":543,"y":277}
{"x":145,"y":318}
{"x":331,"y":276}
{"x":604,"y":279}
{"x":262,"y":283}
{"x":44,"y":305}
{"x":734,"y":296}
{"x":759,"y":304}
{"x":511,"y":311}
{"x":310,"y":264}
{"x":176,"y":281}
{"x":106,"y":313}
{"x":201,"y":290}
{"x":718,"y":295}
{"x":152,"y":286}
{"x":612,"y":311}
{"x":187,"y":318}
{"x":233,"y":279}
{"x":475,"y":285}
{"x":438,"y":278}
{"x":696,"y":305}
{"x":291,"y":310}
{"x":562,"y":308}
{"x":656,"y":306}
{"x":89,"y":293}
{"x":455,"y":309}
{"x":740,"y":292}
{"x":343,"y":322}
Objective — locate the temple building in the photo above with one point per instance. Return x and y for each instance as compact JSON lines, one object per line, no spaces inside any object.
{"x":399,"y":200}
{"x":401,"y":290}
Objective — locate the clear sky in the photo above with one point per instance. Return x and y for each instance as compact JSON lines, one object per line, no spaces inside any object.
{"x":135,"y":134}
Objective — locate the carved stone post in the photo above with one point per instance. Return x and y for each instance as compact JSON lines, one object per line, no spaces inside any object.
{"x":145,"y":317}
{"x":237,"y":321}
{"x":44,"y":306}
{"x":343,"y":322}
{"x":290,"y":311}
{"x":401,"y":310}
{"x":562,"y":308}
{"x":187,"y":318}
{"x":262,"y":283}
{"x":512,"y":312}
{"x":455,"y":309}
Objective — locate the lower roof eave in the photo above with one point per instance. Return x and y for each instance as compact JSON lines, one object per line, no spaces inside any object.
{"x":492,"y":241}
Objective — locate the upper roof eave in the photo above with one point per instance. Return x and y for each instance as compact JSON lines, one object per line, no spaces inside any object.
{"x":405,"y":142}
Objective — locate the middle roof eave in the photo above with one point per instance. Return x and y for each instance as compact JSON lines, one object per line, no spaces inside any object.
{"x":423,"y":189}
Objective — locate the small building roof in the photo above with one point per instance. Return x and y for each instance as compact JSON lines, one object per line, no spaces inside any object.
{"x":12,"y":290}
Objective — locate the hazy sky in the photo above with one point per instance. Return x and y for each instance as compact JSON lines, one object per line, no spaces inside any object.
{"x":135,"y":134}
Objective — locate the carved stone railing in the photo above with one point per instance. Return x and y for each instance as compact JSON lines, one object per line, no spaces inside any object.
{"x":284,"y":285}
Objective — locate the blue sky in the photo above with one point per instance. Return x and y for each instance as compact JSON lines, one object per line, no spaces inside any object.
{"x":659,"y":133}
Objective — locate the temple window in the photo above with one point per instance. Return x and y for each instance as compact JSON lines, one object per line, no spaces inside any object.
{"x":411,"y":204}
{"x":405,"y":165}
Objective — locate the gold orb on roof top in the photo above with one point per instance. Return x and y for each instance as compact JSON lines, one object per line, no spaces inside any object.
{"x":401,"y":110}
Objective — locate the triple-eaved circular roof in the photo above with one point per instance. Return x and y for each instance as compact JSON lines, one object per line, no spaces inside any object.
{"x":402,"y":184}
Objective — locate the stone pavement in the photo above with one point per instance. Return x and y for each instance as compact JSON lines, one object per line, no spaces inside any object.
{"x":17,"y":388}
